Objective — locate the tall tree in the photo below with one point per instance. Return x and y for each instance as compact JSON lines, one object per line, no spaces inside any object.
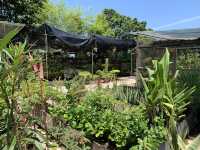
{"x":64,"y":17}
{"x":22,"y":11}
{"x":116,"y":24}
{"x":101,"y":26}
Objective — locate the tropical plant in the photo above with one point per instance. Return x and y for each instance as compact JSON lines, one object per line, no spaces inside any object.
{"x":14,"y":66}
{"x":160,"y":92}
{"x":191,"y":144}
{"x":161,"y":96}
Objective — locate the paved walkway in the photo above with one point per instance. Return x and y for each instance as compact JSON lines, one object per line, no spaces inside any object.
{"x":127,"y":81}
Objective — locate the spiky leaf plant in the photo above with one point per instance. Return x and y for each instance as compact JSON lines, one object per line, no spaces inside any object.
{"x":161,"y":96}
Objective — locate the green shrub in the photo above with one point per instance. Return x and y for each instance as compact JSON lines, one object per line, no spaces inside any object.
{"x":154,"y":136}
{"x":189,"y":76}
{"x":87,"y":76}
{"x":103,"y":118}
{"x":76,"y":89}
{"x":107,"y":75}
{"x":69,"y":139}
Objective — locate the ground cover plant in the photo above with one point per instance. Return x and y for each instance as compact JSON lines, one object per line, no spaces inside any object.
{"x":105,"y":119}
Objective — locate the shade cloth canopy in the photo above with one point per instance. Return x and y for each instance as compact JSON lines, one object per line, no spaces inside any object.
{"x":57,"y":37}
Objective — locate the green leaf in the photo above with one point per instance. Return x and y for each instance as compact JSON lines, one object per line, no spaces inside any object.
{"x":8,"y":37}
{"x":181,"y":143}
{"x":195,"y":145}
{"x":39,"y":145}
{"x":7,"y":54}
{"x":12,"y":146}
{"x":144,"y":84}
{"x":169,"y":105}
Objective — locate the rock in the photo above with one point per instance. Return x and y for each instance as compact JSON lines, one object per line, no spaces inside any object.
{"x":97,"y":146}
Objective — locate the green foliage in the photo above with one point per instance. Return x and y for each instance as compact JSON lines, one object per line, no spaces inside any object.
{"x":160,"y":92}
{"x":188,"y":60}
{"x":107,"y":75}
{"x":102,"y":117}
{"x":5,"y":88}
{"x":59,"y":104}
{"x":69,"y":139}
{"x":87,"y":76}
{"x":14,"y":66}
{"x":63,"y":17}
{"x":14,"y":71}
{"x":101,"y":26}
{"x":8,"y":37}
{"x":189,"y":64}
{"x":194,"y":144}
{"x":128,"y":94}
{"x":154,"y":136}
{"x":162,"y":97}
{"x":23,"y":11}
{"x":111,"y":23}
{"x":76,"y":89}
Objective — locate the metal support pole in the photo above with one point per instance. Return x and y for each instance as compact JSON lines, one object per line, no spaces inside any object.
{"x":92,"y":61}
{"x":46,"y":48}
{"x":93,"y":49}
{"x":131,"y":62}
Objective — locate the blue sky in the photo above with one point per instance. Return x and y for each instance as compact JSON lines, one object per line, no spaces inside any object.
{"x":159,"y":14}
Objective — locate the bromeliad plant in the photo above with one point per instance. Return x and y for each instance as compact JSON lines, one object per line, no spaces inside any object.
{"x":161,"y":96}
